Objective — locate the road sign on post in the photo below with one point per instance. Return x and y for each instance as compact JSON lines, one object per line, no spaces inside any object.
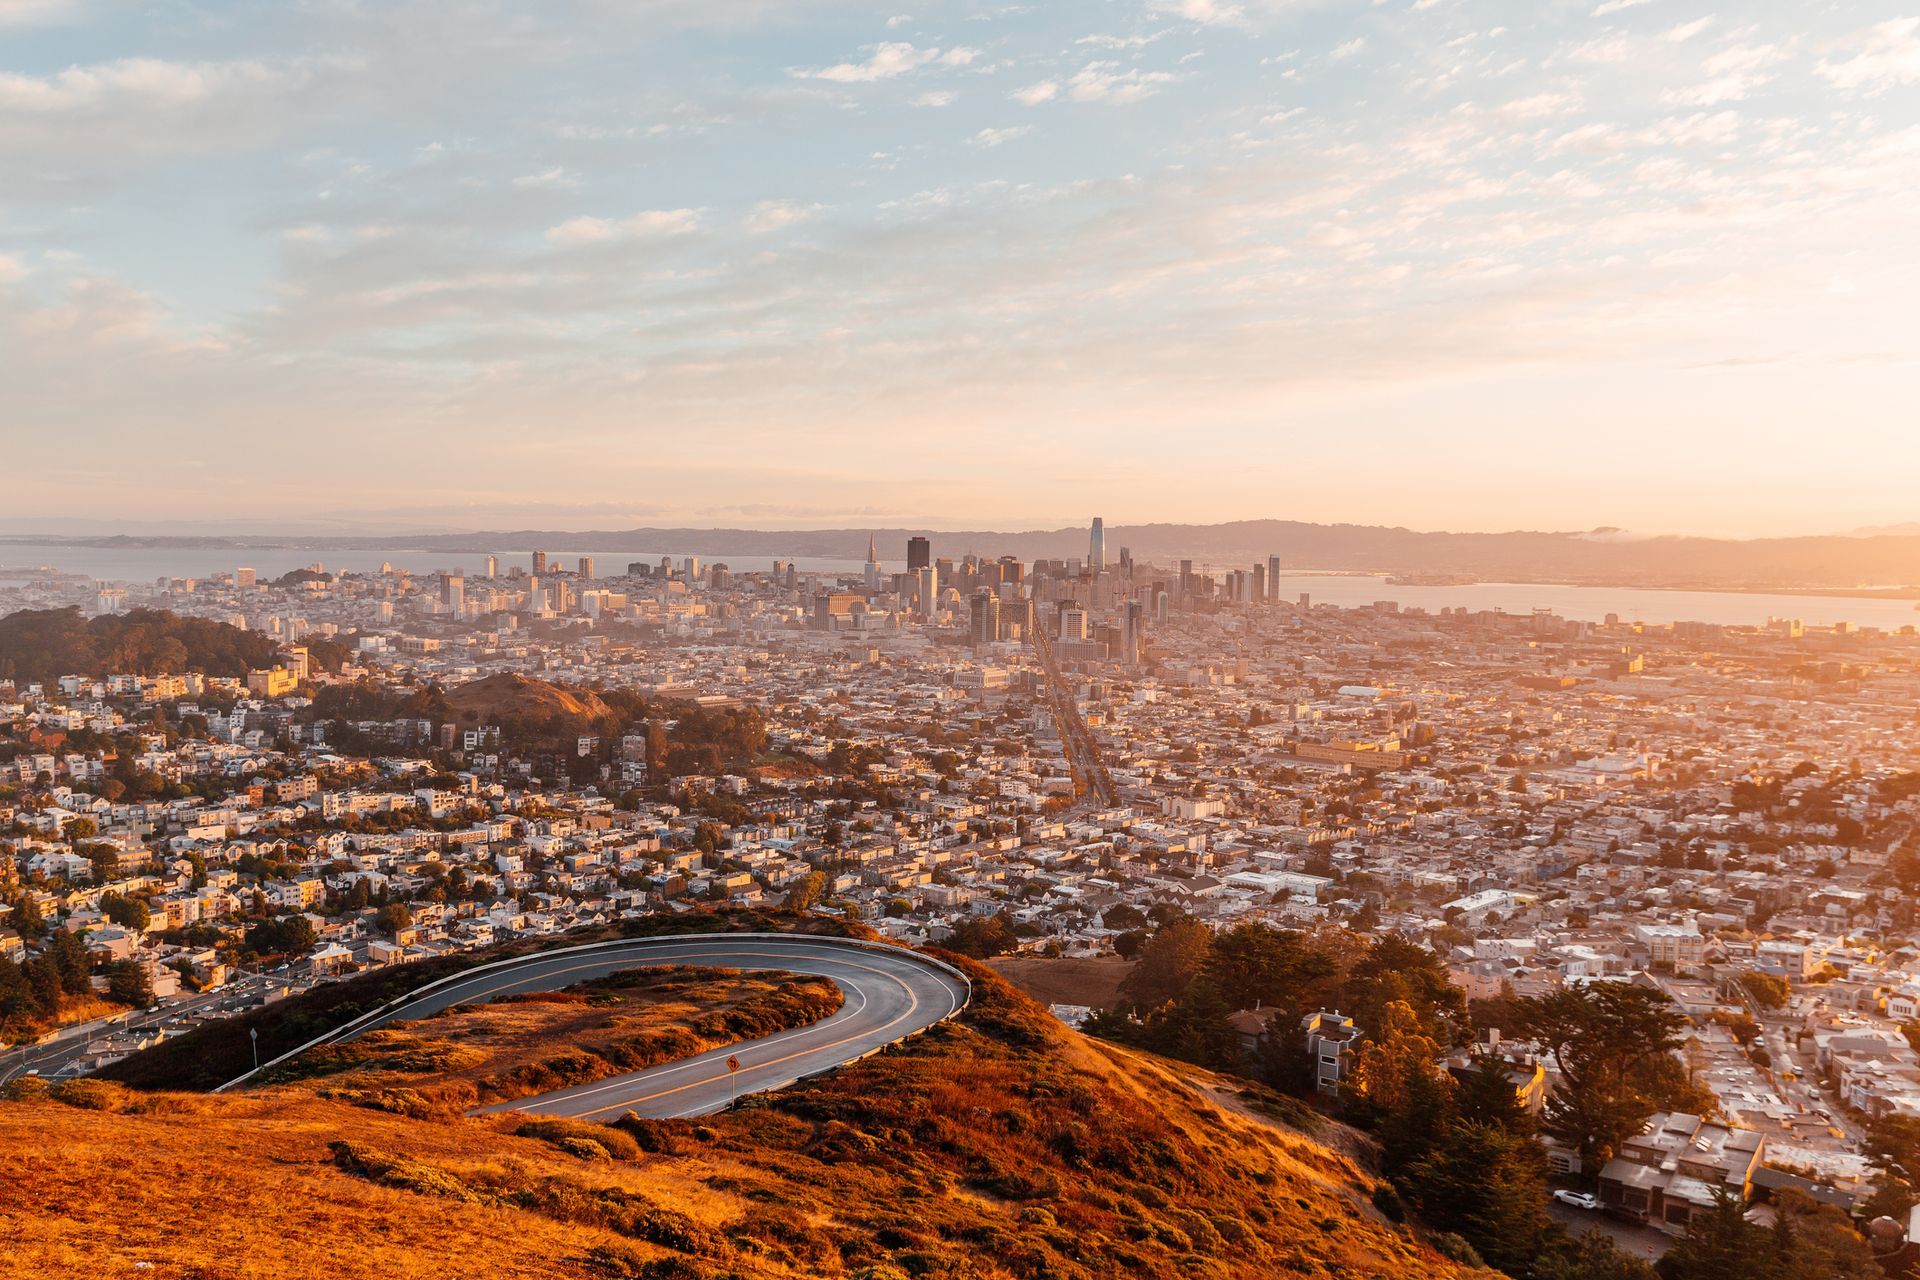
{"x":253,"y":1033}
{"x":733,"y":1065}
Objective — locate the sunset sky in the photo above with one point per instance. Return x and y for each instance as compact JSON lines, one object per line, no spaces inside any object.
{"x":1443,"y":263}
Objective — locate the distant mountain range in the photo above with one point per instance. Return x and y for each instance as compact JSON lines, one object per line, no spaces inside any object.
{"x":1833,"y":562}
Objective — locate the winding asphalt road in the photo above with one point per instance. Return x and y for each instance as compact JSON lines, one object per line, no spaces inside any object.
{"x":891,"y":993}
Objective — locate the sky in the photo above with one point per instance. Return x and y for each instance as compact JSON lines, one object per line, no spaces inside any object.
{"x":1451,"y":264}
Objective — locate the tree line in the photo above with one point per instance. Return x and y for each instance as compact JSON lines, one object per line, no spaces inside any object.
{"x":1457,"y":1143}
{"x":39,"y":645}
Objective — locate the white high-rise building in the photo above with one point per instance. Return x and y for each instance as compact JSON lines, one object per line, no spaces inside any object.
{"x":873,"y":566}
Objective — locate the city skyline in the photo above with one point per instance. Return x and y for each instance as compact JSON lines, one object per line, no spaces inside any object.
{"x":1448,"y":265}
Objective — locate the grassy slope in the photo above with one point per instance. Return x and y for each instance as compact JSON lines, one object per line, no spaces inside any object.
{"x":471,"y":1055}
{"x":1088,"y":980}
{"x":998,"y":1146}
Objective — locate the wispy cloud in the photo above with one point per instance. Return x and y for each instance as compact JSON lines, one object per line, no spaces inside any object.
{"x":997,"y":137}
{"x":1888,"y":55}
{"x":1212,"y":13}
{"x":775,"y":215}
{"x":653,"y":223}
{"x":893,"y":58}
{"x":1110,"y":83}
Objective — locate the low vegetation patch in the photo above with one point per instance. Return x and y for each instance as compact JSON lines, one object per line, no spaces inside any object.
{"x":212,"y":1055}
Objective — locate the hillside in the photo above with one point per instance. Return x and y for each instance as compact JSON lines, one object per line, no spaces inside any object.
{"x":507,"y":696}
{"x":38,"y":645}
{"x":997,"y":1146}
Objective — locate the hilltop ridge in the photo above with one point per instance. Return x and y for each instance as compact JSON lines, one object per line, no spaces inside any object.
{"x":996,"y":1147}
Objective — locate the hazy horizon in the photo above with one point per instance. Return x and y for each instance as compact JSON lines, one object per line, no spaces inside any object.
{"x":84,"y":527}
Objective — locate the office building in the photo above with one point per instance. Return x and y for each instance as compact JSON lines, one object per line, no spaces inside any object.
{"x":1273,"y":579}
{"x":539,"y":563}
{"x":453,"y":592}
{"x":586,"y":567}
{"x":919,"y":554}
{"x":1097,"y":548}
{"x":245,"y":578}
{"x":836,"y":610}
{"x":873,"y":566}
{"x":493,"y":566}
{"x":926,"y":591}
{"x":1133,"y":632}
{"x":986,"y":617}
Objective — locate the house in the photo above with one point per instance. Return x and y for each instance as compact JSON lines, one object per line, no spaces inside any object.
{"x":1526,"y":1074}
{"x":332,"y":958}
{"x":1250,"y":1025}
{"x":1332,"y":1039}
{"x":1679,"y":1164}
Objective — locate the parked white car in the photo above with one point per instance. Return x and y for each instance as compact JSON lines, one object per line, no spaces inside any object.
{"x":1578,"y":1199}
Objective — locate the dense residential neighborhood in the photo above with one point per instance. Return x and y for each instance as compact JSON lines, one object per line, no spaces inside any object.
{"x":1043,"y":759}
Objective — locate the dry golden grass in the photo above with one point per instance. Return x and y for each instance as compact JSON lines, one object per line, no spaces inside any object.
{"x":523,"y":1045}
{"x":1088,"y":980}
{"x":1000,"y":1147}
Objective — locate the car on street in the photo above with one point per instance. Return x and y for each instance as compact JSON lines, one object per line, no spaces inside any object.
{"x":1577,"y":1199}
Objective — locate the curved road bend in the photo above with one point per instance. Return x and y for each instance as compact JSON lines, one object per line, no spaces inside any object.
{"x":890,"y":994}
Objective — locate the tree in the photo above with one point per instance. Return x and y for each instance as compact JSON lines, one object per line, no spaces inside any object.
{"x":26,"y":917}
{"x":1601,"y":1036}
{"x":75,"y":965}
{"x":1396,"y":1083}
{"x":128,"y":913}
{"x":1812,"y":1241}
{"x":1123,"y":916}
{"x":806,"y":891}
{"x":1591,"y":1257}
{"x":19,"y":1006}
{"x":389,"y":919}
{"x":285,"y":935}
{"x":1489,"y":1187}
{"x":1485,"y":1094}
{"x":1809,"y":1242}
{"x":1893,"y":1153}
{"x":1769,"y":991}
{"x":1169,"y":962}
{"x":1394,"y":970}
{"x":982,"y":936}
{"x":127,"y":982}
{"x":43,"y":975}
